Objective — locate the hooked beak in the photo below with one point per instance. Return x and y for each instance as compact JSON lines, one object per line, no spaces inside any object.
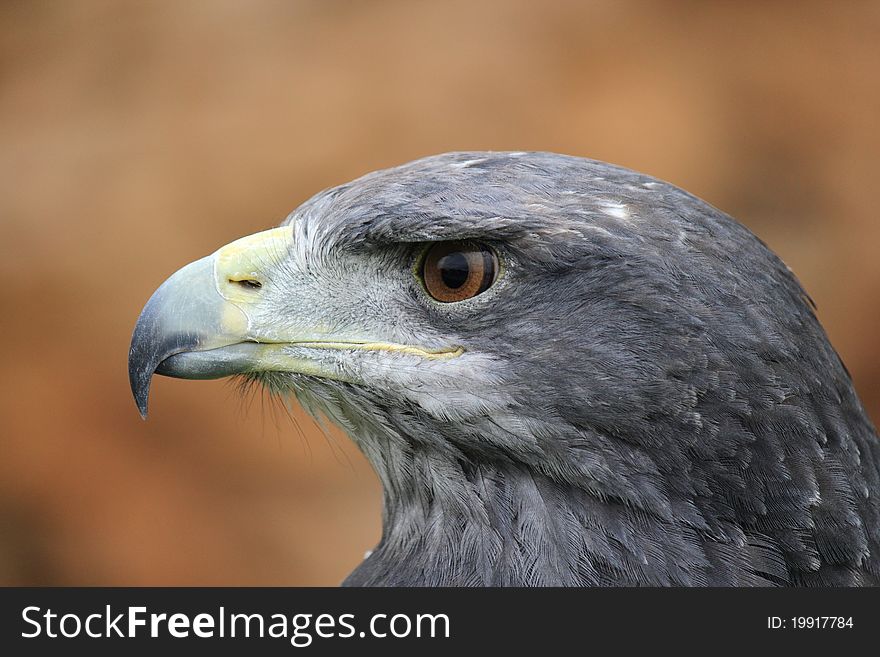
{"x":198,"y":324}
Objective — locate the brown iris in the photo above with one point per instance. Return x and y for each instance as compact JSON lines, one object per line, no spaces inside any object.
{"x":455,"y":271}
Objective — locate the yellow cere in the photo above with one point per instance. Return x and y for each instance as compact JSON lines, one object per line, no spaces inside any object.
{"x":247,"y":259}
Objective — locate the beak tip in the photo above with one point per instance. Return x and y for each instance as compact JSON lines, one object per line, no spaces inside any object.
{"x":140,"y":379}
{"x":141,"y":399}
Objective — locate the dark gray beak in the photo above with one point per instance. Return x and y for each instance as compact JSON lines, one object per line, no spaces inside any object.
{"x":197,"y":324}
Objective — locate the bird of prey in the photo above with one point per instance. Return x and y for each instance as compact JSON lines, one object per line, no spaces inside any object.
{"x":563,"y":372}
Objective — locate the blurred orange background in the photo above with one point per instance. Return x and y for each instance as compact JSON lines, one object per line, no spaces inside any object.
{"x":138,"y":136}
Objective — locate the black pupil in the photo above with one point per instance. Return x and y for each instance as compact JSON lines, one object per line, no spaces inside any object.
{"x":454,"y":269}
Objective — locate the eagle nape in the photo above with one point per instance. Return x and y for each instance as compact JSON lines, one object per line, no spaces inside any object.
{"x":562,"y":371}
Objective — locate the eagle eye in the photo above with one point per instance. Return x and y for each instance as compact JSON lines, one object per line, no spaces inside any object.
{"x":455,"y":271}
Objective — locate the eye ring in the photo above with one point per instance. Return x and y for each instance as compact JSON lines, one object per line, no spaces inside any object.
{"x":456,"y":271}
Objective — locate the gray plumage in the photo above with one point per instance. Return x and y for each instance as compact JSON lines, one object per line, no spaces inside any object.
{"x":645,"y":396}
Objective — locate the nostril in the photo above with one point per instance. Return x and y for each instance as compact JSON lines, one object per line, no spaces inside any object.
{"x":248,"y":283}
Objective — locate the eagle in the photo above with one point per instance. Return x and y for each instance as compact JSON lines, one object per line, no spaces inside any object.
{"x":563,"y":372}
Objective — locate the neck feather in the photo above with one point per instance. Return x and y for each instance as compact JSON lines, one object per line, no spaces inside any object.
{"x":450,"y":522}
